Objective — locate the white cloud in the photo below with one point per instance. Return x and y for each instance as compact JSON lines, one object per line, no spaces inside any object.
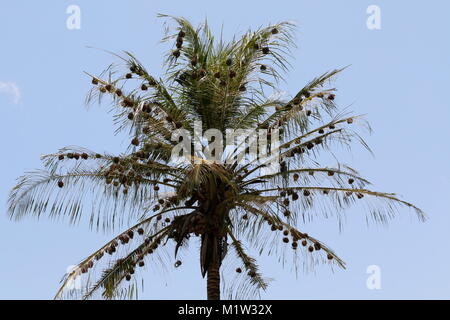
{"x":12,"y":90}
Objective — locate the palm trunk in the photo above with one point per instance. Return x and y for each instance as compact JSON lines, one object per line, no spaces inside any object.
{"x":213,"y":281}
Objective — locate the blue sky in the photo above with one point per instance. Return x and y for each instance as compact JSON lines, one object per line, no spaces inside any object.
{"x":399,"y":77}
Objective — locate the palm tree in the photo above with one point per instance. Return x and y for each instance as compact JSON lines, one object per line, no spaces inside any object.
{"x":227,"y":207}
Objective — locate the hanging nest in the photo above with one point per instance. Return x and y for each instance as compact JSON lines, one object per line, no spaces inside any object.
{"x":304,"y":243}
{"x":286,"y":202}
{"x":329,"y":256}
{"x":310,"y":145}
{"x":265,"y":50}
{"x":128,"y":102}
{"x":131,"y":116}
{"x":274,"y":31}
{"x":176,"y":53}
{"x":360,"y":195}
{"x":252,"y":274}
{"x":330,"y":173}
{"x":108,"y":87}
{"x":128,"y":76}
{"x":286,"y":240}
{"x":141,"y":263}
{"x":310,"y":248}
{"x":295,"y":196}
{"x":130,"y":234}
{"x":350,"y":121}
{"x":61,"y":157}
{"x":181,"y":34}
{"x":60,"y":184}
{"x":178,"y":263}
{"x":146,"y":107}
{"x":242,"y":88}
{"x":317,"y":246}
{"x":263,"y":67}
{"x":94,"y":81}
{"x":144,"y":87}
{"x":228,"y":62}
{"x":118,"y":92}
{"x":128,"y":277}
{"x":102,"y":89}
{"x":167,"y":220}
{"x":202,"y":73}
{"x":321,"y":131}
{"x":306,"y":193}
{"x":217,"y":75}
{"x":331,"y":97}
{"x":194,"y":61}
{"x":287,"y":213}
{"x":140,"y":231}
{"x":350,"y":181}
{"x":238,"y":270}
{"x":135,"y":142}
{"x":232,"y":74}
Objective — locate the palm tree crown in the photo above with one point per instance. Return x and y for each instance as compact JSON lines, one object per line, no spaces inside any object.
{"x":224,"y":206}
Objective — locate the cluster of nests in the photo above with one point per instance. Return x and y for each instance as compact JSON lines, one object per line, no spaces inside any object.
{"x":108,"y":87}
{"x":140,"y":252}
{"x":220,"y":76}
{"x":164,"y":203}
{"x":127,"y":102}
{"x":297,"y":101}
{"x":295,"y":196}
{"x":76,"y":156}
{"x":296,"y":237}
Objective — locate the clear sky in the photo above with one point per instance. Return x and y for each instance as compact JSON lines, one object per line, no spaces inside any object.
{"x":399,"y":76}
